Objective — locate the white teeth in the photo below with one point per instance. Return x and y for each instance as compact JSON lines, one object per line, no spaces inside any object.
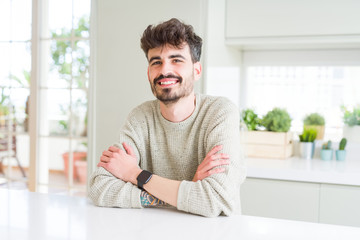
{"x":167,"y":83}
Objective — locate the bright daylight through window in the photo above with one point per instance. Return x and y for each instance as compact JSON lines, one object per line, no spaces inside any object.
{"x":305,"y":90}
{"x":63,"y":80}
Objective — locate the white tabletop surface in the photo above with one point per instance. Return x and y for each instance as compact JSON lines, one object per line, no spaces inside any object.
{"x":36,"y":216}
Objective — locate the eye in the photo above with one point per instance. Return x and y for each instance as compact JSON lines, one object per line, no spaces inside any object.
{"x":155,"y":63}
{"x":176,"y":60}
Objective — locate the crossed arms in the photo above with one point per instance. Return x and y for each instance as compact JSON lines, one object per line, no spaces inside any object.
{"x":123,"y":165}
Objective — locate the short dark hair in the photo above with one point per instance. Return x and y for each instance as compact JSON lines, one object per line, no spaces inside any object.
{"x":174,"y":33}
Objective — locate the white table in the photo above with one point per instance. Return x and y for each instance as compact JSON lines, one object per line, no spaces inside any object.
{"x":25,"y":215}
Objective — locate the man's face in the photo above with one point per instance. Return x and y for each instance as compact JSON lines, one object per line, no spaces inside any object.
{"x":172,"y":73}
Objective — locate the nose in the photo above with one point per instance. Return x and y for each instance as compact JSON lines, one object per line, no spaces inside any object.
{"x":166,"y":68}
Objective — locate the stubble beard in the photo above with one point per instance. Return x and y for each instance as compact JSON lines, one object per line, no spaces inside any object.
{"x":171,"y":96}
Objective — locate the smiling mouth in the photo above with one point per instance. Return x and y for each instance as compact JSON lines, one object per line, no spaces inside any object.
{"x":168,"y":83}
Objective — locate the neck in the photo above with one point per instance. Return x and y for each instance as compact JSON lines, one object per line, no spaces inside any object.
{"x":179,"y":111}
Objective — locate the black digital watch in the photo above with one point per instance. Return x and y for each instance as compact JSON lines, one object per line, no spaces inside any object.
{"x":143,"y":178}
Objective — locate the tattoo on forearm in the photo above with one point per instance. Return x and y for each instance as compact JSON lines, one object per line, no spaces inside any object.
{"x":149,"y":200}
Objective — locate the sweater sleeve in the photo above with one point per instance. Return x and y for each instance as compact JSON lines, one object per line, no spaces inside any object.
{"x":218,"y":194}
{"x":107,"y":190}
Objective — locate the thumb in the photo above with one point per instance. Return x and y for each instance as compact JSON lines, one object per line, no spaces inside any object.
{"x":129,"y":149}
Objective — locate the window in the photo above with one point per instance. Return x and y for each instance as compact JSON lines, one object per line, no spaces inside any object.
{"x":15,"y":62}
{"x":64,"y":81}
{"x":61,"y":86}
{"x":304,"y":90}
{"x":303,"y":82}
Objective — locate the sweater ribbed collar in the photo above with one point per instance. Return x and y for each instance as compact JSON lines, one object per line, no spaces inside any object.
{"x":184,"y":123}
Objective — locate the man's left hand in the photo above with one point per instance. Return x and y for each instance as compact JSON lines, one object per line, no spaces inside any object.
{"x":121,"y":164}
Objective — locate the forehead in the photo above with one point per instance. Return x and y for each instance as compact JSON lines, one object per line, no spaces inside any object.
{"x":169,"y":50}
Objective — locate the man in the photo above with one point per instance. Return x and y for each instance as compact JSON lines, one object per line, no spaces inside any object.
{"x":182,"y":149}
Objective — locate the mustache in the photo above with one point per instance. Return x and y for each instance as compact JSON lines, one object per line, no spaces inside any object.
{"x":167,"y":76}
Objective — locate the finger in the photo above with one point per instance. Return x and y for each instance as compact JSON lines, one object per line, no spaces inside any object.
{"x":107,"y":153}
{"x":214,"y":150}
{"x":114,"y":149}
{"x":128,"y":149}
{"x":214,"y":157}
{"x":219,"y":156}
{"x":214,"y":164}
{"x":104,"y":159}
{"x":215,"y":170}
{"x":101,"y":164}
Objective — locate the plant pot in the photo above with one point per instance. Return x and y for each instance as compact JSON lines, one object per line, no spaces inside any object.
{"x":81,"y":171}
{"x":340,"y":155}
{"x":266,"y":144}
{"x":326,"y":154}
{"x":77,"y":156}
{"x":307,"y":150}
{"x":352,"y":134}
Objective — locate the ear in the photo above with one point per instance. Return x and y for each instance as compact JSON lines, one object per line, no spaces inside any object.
{"x":148,"y":73}
{"x":197,"y":71}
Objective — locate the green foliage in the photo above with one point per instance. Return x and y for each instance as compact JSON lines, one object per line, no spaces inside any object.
{"x":4,"y":101}
{"x":327,"y":145}
{"x":342,"y":144}
{"x":277,"y":120}
{"x":70,"y":60}
{"x":314,"y":119}
{"x":308,"y":135}
{"x":351,"y":118}
{"x":251,"y":119}
{"x":24,"y":80}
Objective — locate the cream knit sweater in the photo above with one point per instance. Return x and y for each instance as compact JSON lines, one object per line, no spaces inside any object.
{"x":174,"y":151}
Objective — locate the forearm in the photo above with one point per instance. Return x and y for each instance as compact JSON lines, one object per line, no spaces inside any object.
{"x":163,"y":189}
{"x":107,"y":191}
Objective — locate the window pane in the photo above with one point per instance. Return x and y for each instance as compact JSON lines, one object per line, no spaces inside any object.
{"x":80,"y":67}
{"x":19,"y":100}
{"x":54,"y":112}
{"x":304,"y":90}
{"x":60,"y":16}
{"x":55,"y":158}
{"x":21,"y":20}
{"x":5,"y":104}
{"x":5,"y":64}
{"x":53,"y":165}
{"x":59,"y":58}
{"x":20,"y":64}
{"x":5,"y":11}
{"x":79,"y":148}
{"x":79,"y":112}
{"x":82,"y":18}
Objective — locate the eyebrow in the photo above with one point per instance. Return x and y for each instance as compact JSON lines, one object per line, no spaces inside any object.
{"x":171,"y":56}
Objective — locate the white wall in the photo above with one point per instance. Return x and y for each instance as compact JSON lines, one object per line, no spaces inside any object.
{"x":120,"y":81}
{"x":223,"y":63}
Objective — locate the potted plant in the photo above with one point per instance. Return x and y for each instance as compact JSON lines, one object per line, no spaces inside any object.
{"x":277,"y":120}
{"x":341,"y":152}
{"x":307,"y":146}
{"x":79,"y":163}
{"x":326,"y":152}
{"x":351,"y":129}
{"x":275,"y":141}
{"x":251,"y":119}
{"x":315,"y":120}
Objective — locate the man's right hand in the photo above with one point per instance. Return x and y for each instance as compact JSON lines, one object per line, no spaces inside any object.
{"x":213,"y":159}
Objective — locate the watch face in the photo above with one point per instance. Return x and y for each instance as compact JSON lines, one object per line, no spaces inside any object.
{"x":143,"y":178}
